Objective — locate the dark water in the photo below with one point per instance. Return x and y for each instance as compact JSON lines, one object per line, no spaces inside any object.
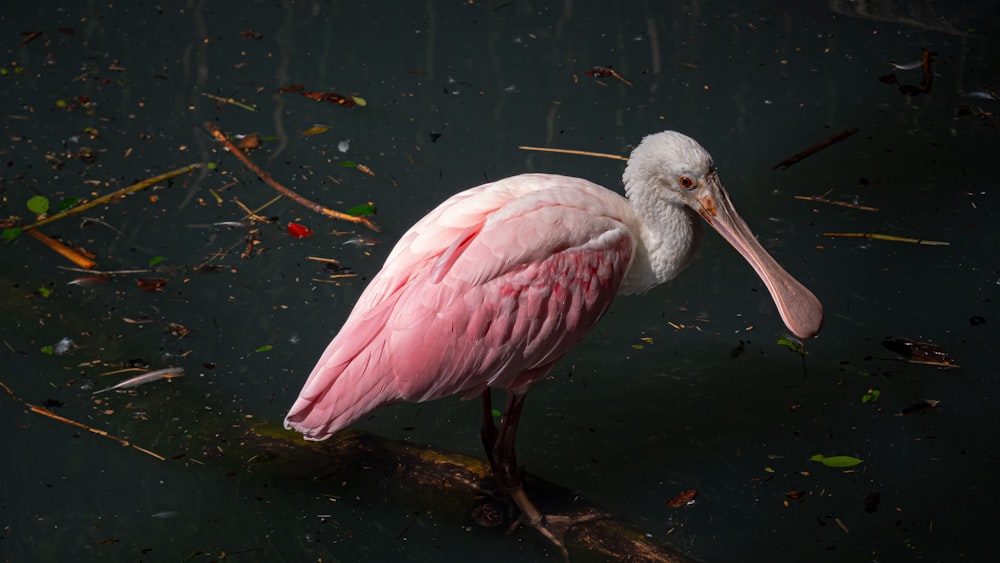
{"x":452,"y":88}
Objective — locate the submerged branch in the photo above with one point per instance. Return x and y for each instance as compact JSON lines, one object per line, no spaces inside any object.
{"x":446,"y":486}
{"x":451,"y":486}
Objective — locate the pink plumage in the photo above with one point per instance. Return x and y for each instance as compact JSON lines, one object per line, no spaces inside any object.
{"x":489,"y":289}
{"x":494,"y":286}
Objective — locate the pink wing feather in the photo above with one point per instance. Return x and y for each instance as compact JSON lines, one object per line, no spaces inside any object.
{"x":489,"y":289}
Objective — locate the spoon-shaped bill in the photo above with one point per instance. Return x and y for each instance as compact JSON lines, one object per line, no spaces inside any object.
{"x":800,"y":310}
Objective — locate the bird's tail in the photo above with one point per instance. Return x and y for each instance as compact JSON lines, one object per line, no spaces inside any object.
{"x":338,"y":393}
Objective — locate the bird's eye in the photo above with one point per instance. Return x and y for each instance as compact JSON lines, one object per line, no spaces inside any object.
{"x":686,"y":182}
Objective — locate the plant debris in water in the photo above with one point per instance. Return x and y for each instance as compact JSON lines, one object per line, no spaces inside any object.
{"x":792,"y":344}
{"x":824,"y":144}
{"x":166,"y":373}
{"x":685,"y":498}
{"x":917,"y":352}
{"x":839,"y":461}
{"x":870,"y":396}
{"x":299,"y":231}
{"x":919,"y":407}
{"x":362,"y":210}
{"x":927,"y":78}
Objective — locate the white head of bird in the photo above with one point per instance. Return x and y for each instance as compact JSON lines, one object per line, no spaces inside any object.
{"x":667,"y":158}
{"x":669,"y":178}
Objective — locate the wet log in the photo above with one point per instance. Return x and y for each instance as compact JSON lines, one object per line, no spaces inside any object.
{"x":453,"y":486}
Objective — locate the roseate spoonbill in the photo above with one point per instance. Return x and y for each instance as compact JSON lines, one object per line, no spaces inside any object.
{"x":495,"y":285}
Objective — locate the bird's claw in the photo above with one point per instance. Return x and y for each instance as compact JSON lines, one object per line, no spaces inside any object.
{"x":555,"y":526}
{"x":540,"y":523}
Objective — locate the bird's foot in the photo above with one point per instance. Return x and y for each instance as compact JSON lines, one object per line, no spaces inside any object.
{"x":552,"y":526}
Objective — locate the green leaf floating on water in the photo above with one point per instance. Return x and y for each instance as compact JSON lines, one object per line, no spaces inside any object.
{"x":68,"y":203}
{"x":871,"y":396}
{"x":264,"y":348}
{"x":362,"y":210}
{"x":792,"y":345}
{"x":38,"y":205}
{"x":836,"y":460}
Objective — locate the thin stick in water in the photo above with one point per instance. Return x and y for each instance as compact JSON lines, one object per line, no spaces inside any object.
{"x":893,"y":238}
{"x":49,"y":414}
{"x":116,"y":194}
{"x":230,"y":101}
{"x":823,"y":199}
{"x":576,"y":152}
{"x":824,"y":144}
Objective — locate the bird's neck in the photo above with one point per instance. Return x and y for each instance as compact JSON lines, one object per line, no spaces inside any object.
{"x":669,"y":235}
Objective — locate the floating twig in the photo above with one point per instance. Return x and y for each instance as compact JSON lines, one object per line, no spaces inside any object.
{"x":825,"y":143}
{"x":86,"y":220}
{"x":879,"y":236}
{"x":604,"y":72}
{"x":334,"y":277}
{"x":576,"y":152}
{"x":49,"y":414}
{"x":230,"y":101}
{"x":269,"y":203}
{"x":251,"y":216}
{"x":283,"y":190}
{"x":823,"y":199}
{"x":118,"y":371}
{"x":324,"y":260}
{"x":65,"y":251}
{"x":116,"y":194}
{"x":46,"y":412}
{"x":927,"y":57}
{"x":843,"y":526}
{"x":9,"y":391}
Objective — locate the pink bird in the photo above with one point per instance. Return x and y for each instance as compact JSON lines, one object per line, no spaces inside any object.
{"x":495,"y":285}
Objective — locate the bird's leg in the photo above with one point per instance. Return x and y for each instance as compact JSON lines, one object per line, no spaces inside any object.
{"x":505,"y":469}
{"x":488,"y":433}
{"x":503,"y":448}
